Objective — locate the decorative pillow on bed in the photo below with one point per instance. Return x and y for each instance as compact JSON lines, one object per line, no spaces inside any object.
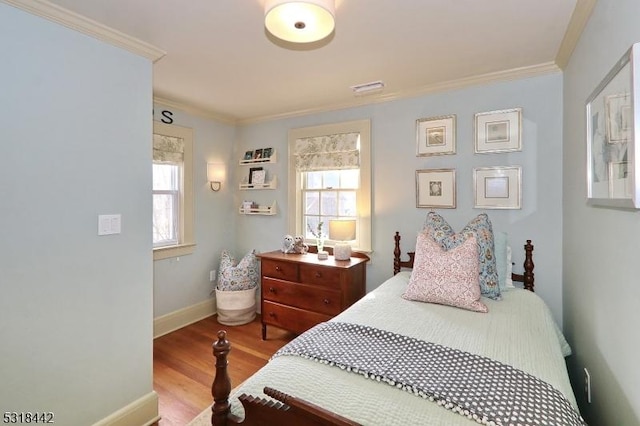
{"x":480,"y":228}
{"x":447,"y":277}
{"x":242,"y":276}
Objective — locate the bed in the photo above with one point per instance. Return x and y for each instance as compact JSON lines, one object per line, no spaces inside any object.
{"x":518,"y":334}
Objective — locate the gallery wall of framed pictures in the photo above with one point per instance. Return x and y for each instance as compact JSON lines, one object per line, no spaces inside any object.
{"x":494,"y":132}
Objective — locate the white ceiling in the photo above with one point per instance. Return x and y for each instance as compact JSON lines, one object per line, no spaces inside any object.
{"x":220,"y":61}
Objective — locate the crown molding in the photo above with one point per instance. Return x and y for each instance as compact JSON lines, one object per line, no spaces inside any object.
{"x":82,"y":24}
{"x":578,"y":21}
{"x":201,"y":112}
{"x":477,"y":80}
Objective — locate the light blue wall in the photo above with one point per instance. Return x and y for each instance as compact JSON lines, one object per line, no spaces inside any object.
{"x":601,"y":246}
{"x":184,"y":281}
{"x":395,"y":162}
{"x":75,"y":308}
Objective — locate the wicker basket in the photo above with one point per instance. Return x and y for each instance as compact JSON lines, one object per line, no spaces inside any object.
{"x":236,"y":307}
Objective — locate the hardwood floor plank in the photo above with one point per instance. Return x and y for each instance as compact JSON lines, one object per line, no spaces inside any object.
{"x":183,"y":364}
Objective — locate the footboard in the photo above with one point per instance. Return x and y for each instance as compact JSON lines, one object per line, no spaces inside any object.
{"x":259,"y":411}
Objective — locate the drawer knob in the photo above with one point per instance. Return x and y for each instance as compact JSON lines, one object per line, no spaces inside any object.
{"x":318,"y":274}
{"x":272,"y":314}
{"x":278,"y":268}
{"x":327,"y":301}
{"x":272,"y":290}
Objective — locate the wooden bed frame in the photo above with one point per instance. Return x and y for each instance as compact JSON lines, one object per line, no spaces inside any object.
{"x":292,"y":411}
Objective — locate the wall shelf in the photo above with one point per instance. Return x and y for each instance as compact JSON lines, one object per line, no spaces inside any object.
{"x":272,"y":159}
{"x":272,"y":184}
{"x":260,"y":210}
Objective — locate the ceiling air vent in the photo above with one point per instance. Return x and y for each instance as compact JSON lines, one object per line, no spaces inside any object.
{"x":367,"y":88}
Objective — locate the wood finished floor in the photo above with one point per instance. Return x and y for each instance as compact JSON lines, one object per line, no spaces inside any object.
{"x":183,"y":364}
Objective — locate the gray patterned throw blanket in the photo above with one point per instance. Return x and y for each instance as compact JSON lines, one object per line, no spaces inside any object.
{"x":484,"y":390}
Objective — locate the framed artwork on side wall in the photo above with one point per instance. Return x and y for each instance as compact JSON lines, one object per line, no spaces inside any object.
{"x":613,"y":177}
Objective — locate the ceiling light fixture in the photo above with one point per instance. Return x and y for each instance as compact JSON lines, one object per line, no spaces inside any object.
{"x":302,"y":21}
{"x":367,"y":88}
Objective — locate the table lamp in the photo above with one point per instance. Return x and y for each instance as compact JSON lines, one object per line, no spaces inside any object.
{"x":341,"y":231}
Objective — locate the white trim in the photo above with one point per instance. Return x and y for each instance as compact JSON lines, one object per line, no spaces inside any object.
{"x":175,"y":320}
{"x":82,"y":24}
{"x":477,"y":80}
{"x":143,"y":412}
{"x":167,"y":102}
{"x":578,"y":21}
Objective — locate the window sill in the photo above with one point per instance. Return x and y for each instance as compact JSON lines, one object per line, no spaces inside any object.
{"x":160,"y":253}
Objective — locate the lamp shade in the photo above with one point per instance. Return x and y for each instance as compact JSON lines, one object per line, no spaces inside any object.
{"x":215,"y":172}
{"x":342,"y":230}
{"x":301,"y":21}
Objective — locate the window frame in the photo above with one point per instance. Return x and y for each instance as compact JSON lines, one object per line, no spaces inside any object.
{"x":186,"y":242}
{"x":363,"y":194}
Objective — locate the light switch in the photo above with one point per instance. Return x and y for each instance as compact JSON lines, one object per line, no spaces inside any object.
{"x":109,"y":224}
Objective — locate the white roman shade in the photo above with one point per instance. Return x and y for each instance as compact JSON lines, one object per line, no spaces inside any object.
{"x":168,"y":149}
{"x":339,"y":151}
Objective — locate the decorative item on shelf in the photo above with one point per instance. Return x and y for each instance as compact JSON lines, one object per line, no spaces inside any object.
{"x":215,"y":175}
{"x":300,"y":21}
{"x":248,"y":155}
{"x":322,"y":255}
{"x":266,"y":153}
{"x":341,"y":231}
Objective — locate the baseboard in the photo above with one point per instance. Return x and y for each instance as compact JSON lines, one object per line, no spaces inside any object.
{"x":143,"y":412}
{"x":183,"y":317}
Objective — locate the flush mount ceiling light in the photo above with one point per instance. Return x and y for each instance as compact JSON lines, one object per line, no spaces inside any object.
{"x":302,"y":21}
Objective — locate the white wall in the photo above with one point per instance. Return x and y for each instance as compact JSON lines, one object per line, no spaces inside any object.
{"x":395,"y":162}
{"x":75,"y":308}
{"x":601,"y":290}
{"x":184,"y":281}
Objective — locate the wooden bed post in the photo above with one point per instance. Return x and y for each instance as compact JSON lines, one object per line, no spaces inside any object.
{"x":528,"y":266}
{"x":221,"y":384}
{"x":396,"y":254}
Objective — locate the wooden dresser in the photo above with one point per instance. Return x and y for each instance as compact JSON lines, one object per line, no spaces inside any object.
{"x":300,"y":291}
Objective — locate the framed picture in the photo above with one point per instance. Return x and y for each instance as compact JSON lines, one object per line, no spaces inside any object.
{"x":497,"y":187}
{"x":436,"y":188}
{"x":258,"y":177}
{"x":498,"y":131}
{"x":257,"y":154}
{"x":266,"y":153}
{"x":436,"y":135}
{"x":612,"y":142}
{"x":248,"y":155}
{"x":253,"y":170}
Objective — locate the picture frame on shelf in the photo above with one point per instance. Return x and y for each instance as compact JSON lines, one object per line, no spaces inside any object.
{"x":498,"y":131}
{"x":266,"y":153}
{"x":436,"y":135}
{"x":251,"y":174}
{"x":436,"y":188}
{"x":258,"y":177}
{"x":257,"y":154}
{"x":612,"y":141}
{"x":248,"y":155}
{"x":497,"y":187}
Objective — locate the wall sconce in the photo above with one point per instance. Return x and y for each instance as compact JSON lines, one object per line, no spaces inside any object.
{"x":215,"y":175}
{"x":342,"y":231}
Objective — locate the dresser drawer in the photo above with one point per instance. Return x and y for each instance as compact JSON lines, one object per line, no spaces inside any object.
{"x":320,"y":275}
{"x":279,"y":269}
{"x":290,"y":318}
{"x":314,"y":298}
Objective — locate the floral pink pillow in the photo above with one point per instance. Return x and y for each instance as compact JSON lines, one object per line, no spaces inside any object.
{"x":446,"y":277}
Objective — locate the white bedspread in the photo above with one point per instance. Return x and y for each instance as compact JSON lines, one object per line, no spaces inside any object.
{"x":519,"y":331}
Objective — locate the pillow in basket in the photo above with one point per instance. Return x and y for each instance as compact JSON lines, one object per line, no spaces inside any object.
{"x":241,"y":276}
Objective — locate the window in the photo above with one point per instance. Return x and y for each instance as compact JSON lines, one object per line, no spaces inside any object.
{"x":330,"y":178}
{"x":172,"y":191}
